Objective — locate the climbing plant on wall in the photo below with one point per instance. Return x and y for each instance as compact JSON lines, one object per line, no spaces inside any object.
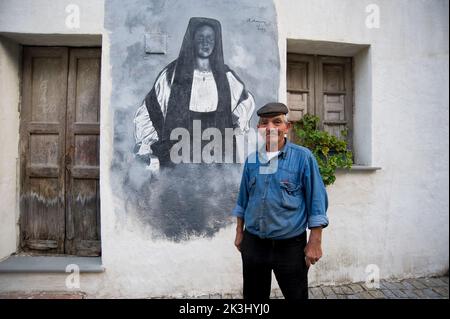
{"x":330,"y":152}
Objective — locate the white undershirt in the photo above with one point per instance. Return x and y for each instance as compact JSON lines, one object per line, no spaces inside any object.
{"x":204,"y":97}
{"x":271,"y":155}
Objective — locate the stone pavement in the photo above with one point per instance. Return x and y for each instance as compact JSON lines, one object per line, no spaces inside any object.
{"x":420,"y":288}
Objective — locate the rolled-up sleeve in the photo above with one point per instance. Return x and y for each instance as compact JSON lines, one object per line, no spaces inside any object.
{"x":242,"y":201}
{"x":316,"y":197}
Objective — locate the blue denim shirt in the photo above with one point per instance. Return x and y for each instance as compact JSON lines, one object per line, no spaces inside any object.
{"x":280,"y":198}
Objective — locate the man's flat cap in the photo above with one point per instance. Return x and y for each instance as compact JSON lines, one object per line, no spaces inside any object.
{"x":272,"y":109}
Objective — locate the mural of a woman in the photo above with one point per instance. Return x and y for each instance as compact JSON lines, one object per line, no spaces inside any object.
{"x":198,"y":85}
{"x":188,"y":198}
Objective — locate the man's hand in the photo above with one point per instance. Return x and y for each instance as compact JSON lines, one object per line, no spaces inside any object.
{"x":239,"y":233}
{"x":313,"y":249}
{"x":238,"y":240}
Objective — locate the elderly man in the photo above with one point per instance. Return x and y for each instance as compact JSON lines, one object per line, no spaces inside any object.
{"x":281,"y":195}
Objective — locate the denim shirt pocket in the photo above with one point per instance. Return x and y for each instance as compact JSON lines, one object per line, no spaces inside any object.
{"x":290,"y":197}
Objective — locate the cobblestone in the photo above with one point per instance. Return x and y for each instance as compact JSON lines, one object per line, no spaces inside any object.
{"x":364,"y":295}
{"x":389,"y":294}
{"x":416,"y":283}
{"x":347,"y":290}
{"x":388,"y":285}
{"x":420,"y":294}
{"x":399,"y":293}
{"x":316,"y":293}
{"x":432,"y":282}
{"x":410,"y":294}
{"x":430,"y":293}
{"x":377,"y":294}
{"x":443,"y":291}
{"x":356,"y":288}
{"x":438,"y":282}
{"x":407,"y":285}
{"x":328,"y":291}
{"x":338,"y":290}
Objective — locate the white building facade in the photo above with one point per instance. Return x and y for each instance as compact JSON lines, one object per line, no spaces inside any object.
{"x":390,"y":210}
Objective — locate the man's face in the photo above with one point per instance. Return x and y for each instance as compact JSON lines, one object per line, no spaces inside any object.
{"x":274,"y":128}
{"x":204,"y":39}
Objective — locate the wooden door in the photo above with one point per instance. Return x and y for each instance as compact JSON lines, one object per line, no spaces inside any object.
{"x":82,"y":153}
{"x":59,"y":155}
{"x":42,"y":133}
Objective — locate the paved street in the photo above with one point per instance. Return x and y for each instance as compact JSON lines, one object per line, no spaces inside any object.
{"x":421,"y":288}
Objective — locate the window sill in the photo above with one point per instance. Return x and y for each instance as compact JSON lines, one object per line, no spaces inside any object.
{"x":360,"y":168}
{"x":50,"y":264}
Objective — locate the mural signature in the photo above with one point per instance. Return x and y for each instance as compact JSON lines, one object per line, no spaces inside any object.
{"x":261,"y":25}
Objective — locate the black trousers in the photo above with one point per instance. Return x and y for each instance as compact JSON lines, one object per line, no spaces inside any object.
{"x":285,"y":257}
